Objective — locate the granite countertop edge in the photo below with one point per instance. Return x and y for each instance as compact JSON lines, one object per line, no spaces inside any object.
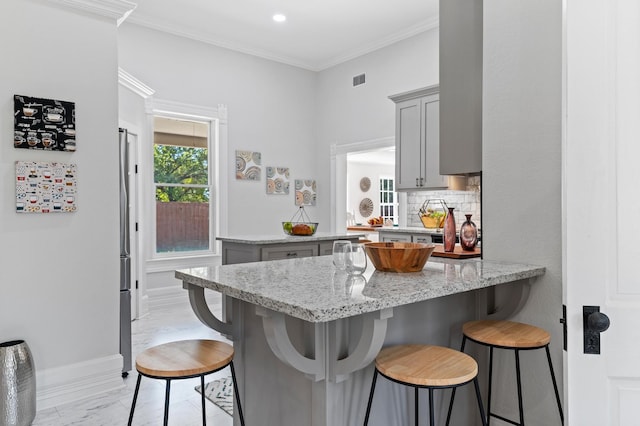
{"x":384,"y":290}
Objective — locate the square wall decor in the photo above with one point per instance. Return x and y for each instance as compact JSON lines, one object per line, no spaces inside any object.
{"x":277,"y":180}
{"x":44,"y":124}
{"x":305,"y":192}
{"x":248,"y":165}
{"x":45,"y":187}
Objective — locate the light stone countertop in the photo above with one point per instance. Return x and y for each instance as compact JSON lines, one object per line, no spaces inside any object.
{"x":410,"y":230}
{"x":284,"y":239}
{"x":311,"y":289}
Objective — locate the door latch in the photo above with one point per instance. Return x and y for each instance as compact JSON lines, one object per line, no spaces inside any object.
{"x":594,"y":322}
{"x":563,"y":321}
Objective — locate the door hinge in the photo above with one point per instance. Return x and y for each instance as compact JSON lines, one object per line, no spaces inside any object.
{"x":135,"y":168}
{"x":136,"y":226}
{"x":136,"y":284}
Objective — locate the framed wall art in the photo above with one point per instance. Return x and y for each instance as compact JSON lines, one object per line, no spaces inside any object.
{"x":248,"y":165}
{"x":305,"y":192}
{"x":277,"y":180}
{"x":45,"y":187}
{"x":44,"y":124}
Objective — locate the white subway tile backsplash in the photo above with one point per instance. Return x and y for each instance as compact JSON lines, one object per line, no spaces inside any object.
{"x":463,"y":202}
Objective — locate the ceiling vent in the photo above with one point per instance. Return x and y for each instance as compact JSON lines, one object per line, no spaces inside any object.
{"x":358,"y":80}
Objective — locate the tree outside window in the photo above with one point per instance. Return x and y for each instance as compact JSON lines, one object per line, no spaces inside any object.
{"x":182,"y":185}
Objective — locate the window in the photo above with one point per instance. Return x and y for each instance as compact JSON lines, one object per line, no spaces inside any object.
{"x":388,"y":200}
{"x":182,"y":183}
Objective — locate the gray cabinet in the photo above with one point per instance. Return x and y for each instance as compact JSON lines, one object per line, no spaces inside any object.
{"x":258,"y":251}
{"x":390,"y":237}
{"x":405,"y":237}
{"x":421,"y":238}
{"x":418,"y":140}
{"x":289,"y":251}
{"x":461,"y":87}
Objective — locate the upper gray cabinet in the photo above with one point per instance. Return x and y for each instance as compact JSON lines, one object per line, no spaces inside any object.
{"x":417,"y":140}
{"x":460,"y":87}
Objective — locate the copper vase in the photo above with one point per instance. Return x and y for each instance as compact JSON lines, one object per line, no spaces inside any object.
{"x":468,"y":234}
{"x":449,"y":232}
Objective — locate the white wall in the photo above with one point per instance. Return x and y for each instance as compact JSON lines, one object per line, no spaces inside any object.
{"x":355,"y":172}
{"x":60,"y":272}
{"x":270,"y":110}
{"x":347,"y":114}
{"x":521,"y":176}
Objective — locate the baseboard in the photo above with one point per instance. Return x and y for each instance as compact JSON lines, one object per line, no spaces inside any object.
{"x":56,"y":386}
{"x":174,"y":295}
{"x":167,"y":296}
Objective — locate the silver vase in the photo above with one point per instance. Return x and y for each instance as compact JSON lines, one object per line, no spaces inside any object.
{"x":17,"y":384}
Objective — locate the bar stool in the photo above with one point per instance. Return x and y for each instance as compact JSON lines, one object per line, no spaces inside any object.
{"x":513,"y":336}
{"x":185,"y":359}
{"x":424,"y":366}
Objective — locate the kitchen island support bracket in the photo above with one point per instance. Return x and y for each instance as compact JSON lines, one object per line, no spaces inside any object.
{"x":326,"y":364}
{"x":204,"y":314}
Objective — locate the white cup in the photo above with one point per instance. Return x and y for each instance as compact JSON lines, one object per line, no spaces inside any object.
{"x":340,"y":253}
{"x":356,"y":259}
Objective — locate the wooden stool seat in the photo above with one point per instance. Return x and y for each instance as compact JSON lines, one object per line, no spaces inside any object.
{"x":186,"y":358}
{"x":515,"y":336}
{"x":426,"y":365}
{"x":506,"y":334}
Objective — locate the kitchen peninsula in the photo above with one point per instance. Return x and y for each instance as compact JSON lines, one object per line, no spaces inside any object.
{"x":304,"y":333}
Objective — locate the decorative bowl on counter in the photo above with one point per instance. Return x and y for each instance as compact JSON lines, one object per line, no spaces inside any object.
{"x":399,"y":257}
{"x":433,"y":220}
{"x":432,"y":213}
{"x":300,"y":228}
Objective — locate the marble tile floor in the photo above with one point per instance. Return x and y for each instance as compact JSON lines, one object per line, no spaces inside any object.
{"x":162,"y":324}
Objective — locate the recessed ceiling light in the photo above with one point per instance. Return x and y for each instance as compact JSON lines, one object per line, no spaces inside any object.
{"x":279,"y":17}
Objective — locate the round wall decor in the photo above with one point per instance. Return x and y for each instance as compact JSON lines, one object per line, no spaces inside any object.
{"x":366,"y":207}
{"x":365,"y":184}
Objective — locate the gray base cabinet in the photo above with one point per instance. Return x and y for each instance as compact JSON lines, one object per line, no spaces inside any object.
{"x":390,"y":237}
{"x":234,"y":252}
{"x":408,"y":237}
{"x":402,"y":237}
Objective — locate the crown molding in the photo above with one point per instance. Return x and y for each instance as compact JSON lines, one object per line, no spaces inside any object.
{"x":133,"y":84}
{"x":236,"y":47}
{"x":115,"y":9}
{"x":311,"y":66}
{"x":393,"y":38}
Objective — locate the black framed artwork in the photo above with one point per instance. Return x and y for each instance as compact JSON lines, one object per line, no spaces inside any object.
{"x":46,"y":124}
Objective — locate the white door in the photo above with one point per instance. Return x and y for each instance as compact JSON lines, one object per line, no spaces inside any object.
{"x":602,"y":208}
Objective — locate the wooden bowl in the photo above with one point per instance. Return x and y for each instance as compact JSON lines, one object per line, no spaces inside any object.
{"x":399,"y":257}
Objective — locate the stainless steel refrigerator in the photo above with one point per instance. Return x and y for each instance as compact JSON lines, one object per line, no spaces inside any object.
{"x":125,"y":257}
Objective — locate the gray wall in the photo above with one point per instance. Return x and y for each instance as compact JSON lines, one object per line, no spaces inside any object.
{"x":522,"y":176}
{"x":60,"y":271}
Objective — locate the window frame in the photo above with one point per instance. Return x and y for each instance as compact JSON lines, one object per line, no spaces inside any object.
{"x":395,"y":204}
{"x":208,"y":185}
{"x":217,"y":120}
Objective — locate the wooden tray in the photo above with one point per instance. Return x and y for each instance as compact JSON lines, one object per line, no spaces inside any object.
{"x":457,"y":253}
